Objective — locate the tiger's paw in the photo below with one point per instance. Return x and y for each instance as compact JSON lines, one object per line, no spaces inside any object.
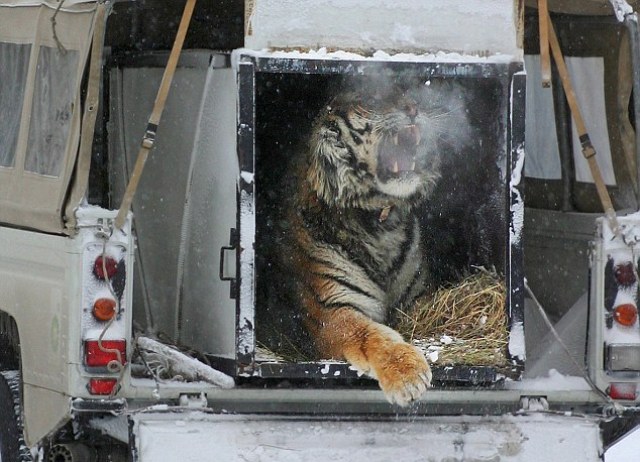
{"x":405,"y":375}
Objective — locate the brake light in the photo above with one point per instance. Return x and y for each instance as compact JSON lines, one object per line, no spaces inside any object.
{"x":107,"y":263}
{"x":625,"y":274}
{"x":102,"y":386}
{"x":625,"y":314}
{"x":104,"y":309}
{"x":622,"y":390}
{"x":94,"y":356}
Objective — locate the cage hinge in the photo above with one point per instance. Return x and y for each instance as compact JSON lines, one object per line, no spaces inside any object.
{"x":233,"y":246}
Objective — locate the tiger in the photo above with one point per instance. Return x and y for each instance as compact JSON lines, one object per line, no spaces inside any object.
{"x":356,"y":249}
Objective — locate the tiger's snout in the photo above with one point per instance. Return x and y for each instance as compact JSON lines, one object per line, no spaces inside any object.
{"x":398,"y":154}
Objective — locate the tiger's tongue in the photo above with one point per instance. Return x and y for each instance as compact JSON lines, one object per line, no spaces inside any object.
{"x":399,"y":156}
{"x":399,"y":160}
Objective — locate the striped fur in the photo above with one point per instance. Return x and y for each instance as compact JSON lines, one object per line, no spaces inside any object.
{"x":357,"y":245}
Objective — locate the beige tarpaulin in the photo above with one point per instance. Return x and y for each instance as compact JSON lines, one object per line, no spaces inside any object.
{"x":44,"y":52}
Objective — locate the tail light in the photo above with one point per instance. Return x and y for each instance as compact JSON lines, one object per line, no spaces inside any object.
{"x":105,"y":267}
{"x":112,"y":352}
{"x":622,"y":357}
{"x":104,"y":295}
{"x":104,"y":309}
{"x":622,"y":390}
{"x":625,"y":314}
{"x":613,"y":340}
{"x":102,"y":386}
{"x":625,"y":274}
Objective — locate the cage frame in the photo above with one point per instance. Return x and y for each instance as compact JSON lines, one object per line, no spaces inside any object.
{"x":247,"y":65}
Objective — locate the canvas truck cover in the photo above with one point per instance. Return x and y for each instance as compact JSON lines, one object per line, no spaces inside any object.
{"x":43,"y":61}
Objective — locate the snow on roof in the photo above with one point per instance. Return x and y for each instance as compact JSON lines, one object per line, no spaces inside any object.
{"x":477,"y":27}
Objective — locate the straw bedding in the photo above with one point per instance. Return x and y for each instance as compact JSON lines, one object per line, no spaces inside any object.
{"x":461,"y":324}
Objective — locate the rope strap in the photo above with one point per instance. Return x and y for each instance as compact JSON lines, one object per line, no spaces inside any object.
{"x":149,"y":137}
{"x":588,"y":150}
{"x":545,"y":60}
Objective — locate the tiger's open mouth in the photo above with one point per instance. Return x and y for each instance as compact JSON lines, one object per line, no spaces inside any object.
{"x":397,"y":153}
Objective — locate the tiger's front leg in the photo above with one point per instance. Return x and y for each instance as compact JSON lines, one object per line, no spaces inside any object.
{"x":373,"y":348}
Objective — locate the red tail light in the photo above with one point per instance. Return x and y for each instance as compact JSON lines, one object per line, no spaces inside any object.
{"x":622,"y":390}
{"x":102,"y":386}
{"x":107,"y":263}
{"x":625,"y":274}
{"x":96,"y":357}
{"x":625,"y":314}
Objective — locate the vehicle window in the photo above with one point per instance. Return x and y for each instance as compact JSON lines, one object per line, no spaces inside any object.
{"x":13,"y":75}
{"x":51,"y":111}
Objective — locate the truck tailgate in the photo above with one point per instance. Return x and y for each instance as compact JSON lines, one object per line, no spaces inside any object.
{"x":199,"y":436}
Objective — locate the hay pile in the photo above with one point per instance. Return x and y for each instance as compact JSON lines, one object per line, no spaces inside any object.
{"x":461,"y":324}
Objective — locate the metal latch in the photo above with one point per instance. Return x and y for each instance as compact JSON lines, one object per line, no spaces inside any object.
{"x":534,"y":403}
{"x":193,"y":401}
{"x":233,"y":245}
